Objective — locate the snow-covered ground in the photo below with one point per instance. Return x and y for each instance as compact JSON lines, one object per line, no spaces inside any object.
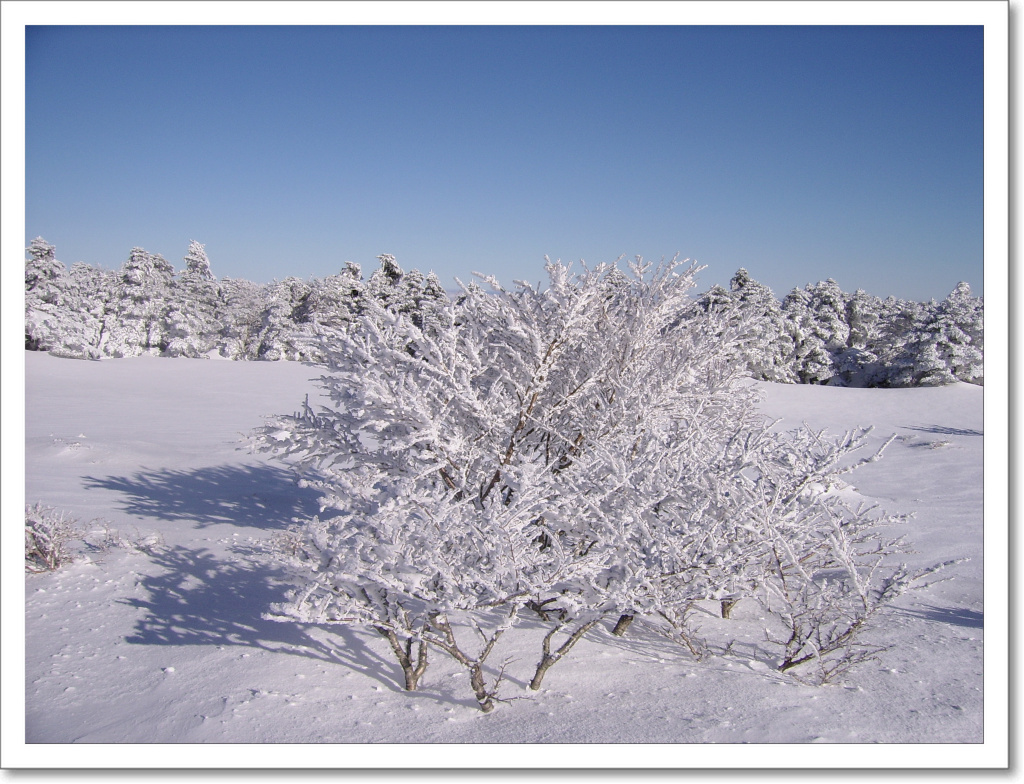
{"x":165,"y":643}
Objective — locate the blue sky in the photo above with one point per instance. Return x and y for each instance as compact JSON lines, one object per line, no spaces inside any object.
{"x":800,"y":153}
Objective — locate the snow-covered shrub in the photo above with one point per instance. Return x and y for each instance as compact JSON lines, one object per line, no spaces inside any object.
{"x":104,"y":538}
{"x":587,"y":451}
{"x":831,"y":571}
{"x":825,"y":611}
{"x":48,"y":535}
{"x":509,"y":457}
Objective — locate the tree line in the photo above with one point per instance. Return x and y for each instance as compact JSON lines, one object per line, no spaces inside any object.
{"x":818,"y":334}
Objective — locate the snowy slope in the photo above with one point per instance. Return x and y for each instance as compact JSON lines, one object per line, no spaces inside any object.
{"x":167,"y":645}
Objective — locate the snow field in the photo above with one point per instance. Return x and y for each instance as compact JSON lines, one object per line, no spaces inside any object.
{"x":167,"y":644}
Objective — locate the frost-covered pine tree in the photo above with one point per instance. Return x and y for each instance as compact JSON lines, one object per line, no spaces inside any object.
{"x":857,"y":365}
{"x":412,"y":292}
{"x":899,"y":321}
{"x":136,"y":321}
{"x":241,"y":308}
{"x":197,"y":263}
{"x":384,"y":283}
{"x":194,"y":308}
{"x":64,"y":309}
{"x":434,"y":296}
{"x":91,"y":294}
{"x":42,"y":270}
{"x":767,"y":346}
{"x":283,"y":334}
{"x":811,"y":361}
{"x":46,"y":285}
{"x":333,"y":301}
{"x":961,"y":334}
{"x":331,"y":306}
{"x":941,"y":343}
{"x":827,"y":306}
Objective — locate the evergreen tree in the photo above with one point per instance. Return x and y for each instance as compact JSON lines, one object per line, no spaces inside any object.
{"x":767,"y":344}
{"x":945,"y":345}
{"x":64,"y":309}
{"x":811,"y":360}
{"x":46,"y":312}
{"x":963,"y":343}
{"x":43,"y":272}
{"x":193,"y":313}
{"x":328,"y":310}
{"x":197,"y":265}
{"x":137,"y":324}
{"x":903,"y":324}
{"x":242,"y":303}
{"x":433,"y":305}
{"x":858,"y":364}
{"x":281,"y":334}
{"x":715,"y":299}
{"x":383,"y":284}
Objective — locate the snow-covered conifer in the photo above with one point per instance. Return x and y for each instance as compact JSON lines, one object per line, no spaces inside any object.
{"x":42,"y":270}
{"x":960,"y":335}
{"x":811,"y":361}
{"x":767,"y":346}
{"x":135,"y":323}
{"x":282,"y":332}
{"x":383,"y":285}
{"x":197,"y":265}
{"x":64,"y":309}
{"x":46,"y":312}
{"x":194,"y":308}
{"x":432,"y":304}
{"x":91,"y":293}
{"x":940,"y":343}
{"x":857,"y":364}
{"x":242,"y":306}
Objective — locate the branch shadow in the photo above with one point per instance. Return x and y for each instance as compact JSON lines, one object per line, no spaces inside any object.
{"x":200,"y":599}
{"x":946,"y":431}
{"x":261,"y":496}
{"x":955,"y":616}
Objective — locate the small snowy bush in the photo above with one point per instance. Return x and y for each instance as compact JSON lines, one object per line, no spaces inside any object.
{"x":104,"y":538}
{"x":48,"y":534}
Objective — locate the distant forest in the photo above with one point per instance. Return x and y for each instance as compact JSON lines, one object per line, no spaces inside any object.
{"x":817,"y":334}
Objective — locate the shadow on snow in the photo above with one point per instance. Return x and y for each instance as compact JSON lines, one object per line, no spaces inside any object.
{"x":946,"y":431}
{"x":955,"y":616}
{"x":200,"y":599}
{"x":261,"y":496}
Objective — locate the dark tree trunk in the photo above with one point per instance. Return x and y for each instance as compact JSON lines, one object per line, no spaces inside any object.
{"x":622,"y":625}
